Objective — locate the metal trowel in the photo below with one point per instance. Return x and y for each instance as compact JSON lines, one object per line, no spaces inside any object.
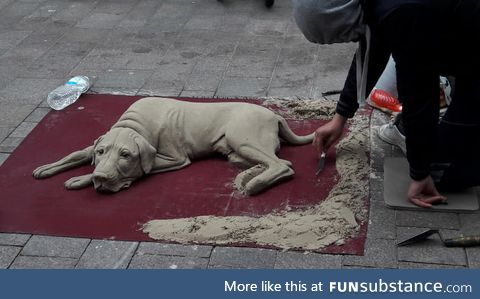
{"x":321,"y":163}
{"x":466,"y":241}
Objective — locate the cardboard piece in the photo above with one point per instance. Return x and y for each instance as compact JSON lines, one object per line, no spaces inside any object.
{"x":396,"y":180}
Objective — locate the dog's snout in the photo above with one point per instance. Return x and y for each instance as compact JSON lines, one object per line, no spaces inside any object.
{"x":101,"y":177}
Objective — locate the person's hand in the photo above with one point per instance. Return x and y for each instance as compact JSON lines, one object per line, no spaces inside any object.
{"x":424,"y":194}
{"x":327,"y":134}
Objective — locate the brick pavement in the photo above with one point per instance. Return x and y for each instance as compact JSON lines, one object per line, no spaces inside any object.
{"x":233,"y":48}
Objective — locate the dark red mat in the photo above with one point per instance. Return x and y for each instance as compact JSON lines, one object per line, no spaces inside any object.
{"x":203,"y":188}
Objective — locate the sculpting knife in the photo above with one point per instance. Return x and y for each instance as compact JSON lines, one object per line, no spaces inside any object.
{"x":321,"y":163}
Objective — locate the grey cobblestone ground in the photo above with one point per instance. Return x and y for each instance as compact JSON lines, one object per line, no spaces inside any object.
{"x":205,"y":48}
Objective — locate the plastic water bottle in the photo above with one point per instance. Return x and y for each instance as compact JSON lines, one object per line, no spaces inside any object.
{"x":68,"y":93}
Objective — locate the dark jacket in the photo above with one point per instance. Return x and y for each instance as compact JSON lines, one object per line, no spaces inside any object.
{"x":427,"y":38}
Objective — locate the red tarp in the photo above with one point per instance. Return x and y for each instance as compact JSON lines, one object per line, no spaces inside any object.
{"x":45,"y":207}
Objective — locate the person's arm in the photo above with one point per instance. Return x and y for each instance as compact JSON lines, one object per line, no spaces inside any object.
{"x":379,"y":54}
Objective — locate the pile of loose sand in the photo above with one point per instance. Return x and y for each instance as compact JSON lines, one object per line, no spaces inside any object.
{"x":331,"y":221}
{"x":301,"y":108}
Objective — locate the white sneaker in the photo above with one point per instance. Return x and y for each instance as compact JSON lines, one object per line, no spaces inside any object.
{"x":390,"y":134}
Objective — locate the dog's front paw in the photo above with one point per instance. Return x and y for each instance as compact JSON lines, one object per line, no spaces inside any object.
{"x":42,"y":172}
{"x":78,"y":182}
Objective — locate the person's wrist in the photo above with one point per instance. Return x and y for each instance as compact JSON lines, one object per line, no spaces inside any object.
{"x":339,"y":119}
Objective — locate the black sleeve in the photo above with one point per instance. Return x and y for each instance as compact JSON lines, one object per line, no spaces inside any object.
{"x":412,"y":34}
{"x":348,"y":104}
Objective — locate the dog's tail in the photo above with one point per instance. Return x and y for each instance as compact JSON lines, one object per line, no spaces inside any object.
{"x":288,"y":135}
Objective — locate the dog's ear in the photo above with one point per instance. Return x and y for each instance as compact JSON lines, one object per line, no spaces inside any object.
{"x":146,"y":151}
{"x":95,"y":143}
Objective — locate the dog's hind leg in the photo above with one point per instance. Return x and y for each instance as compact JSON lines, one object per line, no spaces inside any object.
{"x":275,"y":169}
{"x":71,"y":161}
{"x":246,"y":176}
{"x":79,"y":182}
{"x":240,"y":162}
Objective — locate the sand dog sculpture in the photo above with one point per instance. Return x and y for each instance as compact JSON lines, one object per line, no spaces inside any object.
{"x":159,"y":134}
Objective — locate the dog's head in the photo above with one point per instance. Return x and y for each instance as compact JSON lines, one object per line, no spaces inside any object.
{"x":120,"y":157}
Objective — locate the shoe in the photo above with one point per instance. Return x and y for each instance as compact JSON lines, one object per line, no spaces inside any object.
{"x":384,"y":101}
{"x":390,"y":134}
{"x":445,"y":92}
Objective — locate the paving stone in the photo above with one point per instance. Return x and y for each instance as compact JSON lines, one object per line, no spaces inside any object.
{"x":7,"y":255}
{"x":139,"y":14}
{"x":85,"y":35}
{"x":29,"y":91}
{"x":37,"y":115}
{"x":197,"y":94}
{"x":41,"y":262}
{"x":125,"y":79}
{"x":427,"y":219}
{"x":430,"y":251}
{"x":473,"y":257}
{"x":15,"y":63}
{"x":407,"y":265}
{"x":55,"y":246}
{"x":297,"y":91}
{"x":290,"y":82}
{"x":379,"y":253}
{"x":41,"y":41}
{"x":75,"y":11}
{"x":121,"y":59}
{"x":243,"y":87}
{"x":208,"y":81}
{"x":114,"y":7}
{"x":3,"y":158}
{"x":100,"y":21}
{"x":10,"y":38}
{"x":215,"y":62}
{"x":381,"y":223}
{"x":301,"y":260}
{"x":204,"y":22}
{"x":171,"y":17}
{"x":300,"y":56}
{"x":14,"y":239}
{"x":23,"y":129}
{"x":129,"y":23}
{"x":4,"y":3}
{"x":256,"y":64}
{"x":267,"y":27}
{"x":382,"y":150}
{"x":11,"y":115}
{"x":376,"y":186}
{"x":168,"y":80}
{"x":139,"y":43}
{"x":41,"y":16}
{"x":328,"y":81}
{"x":167,"y":262}
{"x":335,"y":58}
{"x":9,"y":144}
{"x":153,"y":248}
{"x":15,"y":11}
{"x":58,"y":61}
{"x":470,"y":223}
{"x":237,"y":257}
{"x":4,"y":132}
{"x":103,"y":254}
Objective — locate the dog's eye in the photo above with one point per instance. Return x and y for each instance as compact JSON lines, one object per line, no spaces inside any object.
{"x":100,"y":151}
{"x":125,"y":155}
